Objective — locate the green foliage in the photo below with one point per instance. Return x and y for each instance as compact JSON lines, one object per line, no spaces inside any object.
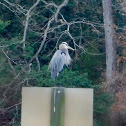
{"x":67,"y":78}
{"x":3,"y":25}
{"x":5,"y":76}
{"x":91,"y":63}
{"x":100,"y":122}
{"x":101,"y":103}
{"x":28,"y":52}
{"x":11,"y":43}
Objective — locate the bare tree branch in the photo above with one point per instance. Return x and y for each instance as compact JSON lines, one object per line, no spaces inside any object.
{"x":8,"y":57}
{"x":44,"y":39}
{"x":28,"y":15}
{"x":38,"y":63}
{"x":6,"y":6}
{"x":59,"y":8}
{"x":15,"y":6}
{"x":49,"y":4}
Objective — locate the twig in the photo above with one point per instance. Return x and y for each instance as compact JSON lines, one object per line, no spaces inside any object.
{"x":38,"y":63}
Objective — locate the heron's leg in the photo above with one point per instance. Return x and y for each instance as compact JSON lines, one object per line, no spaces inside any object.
{"x":59,"y":81}
{"x":61,"y":85}
{"x":54,"y":82}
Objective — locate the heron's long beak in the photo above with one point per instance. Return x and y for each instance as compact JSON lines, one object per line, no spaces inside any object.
{"x":70,"y":48}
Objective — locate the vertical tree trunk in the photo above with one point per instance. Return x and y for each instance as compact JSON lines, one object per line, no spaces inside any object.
{"x":110,"y":39}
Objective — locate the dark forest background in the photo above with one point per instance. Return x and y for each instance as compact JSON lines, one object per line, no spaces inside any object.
{"x":30,"y":33}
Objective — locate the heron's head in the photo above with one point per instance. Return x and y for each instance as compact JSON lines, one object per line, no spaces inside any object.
{"x":64,"y":45}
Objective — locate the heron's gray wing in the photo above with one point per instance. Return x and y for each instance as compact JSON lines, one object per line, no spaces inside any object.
{"x":57,"y":62}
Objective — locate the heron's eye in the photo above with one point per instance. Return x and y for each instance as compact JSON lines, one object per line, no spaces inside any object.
{"x":65,"y":43}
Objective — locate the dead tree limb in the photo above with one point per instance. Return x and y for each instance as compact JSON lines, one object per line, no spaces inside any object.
{"x":109,"y":39}
{"x":28,"y":15}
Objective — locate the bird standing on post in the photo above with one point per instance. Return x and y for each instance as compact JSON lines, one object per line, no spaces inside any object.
{"x":59,"y":59}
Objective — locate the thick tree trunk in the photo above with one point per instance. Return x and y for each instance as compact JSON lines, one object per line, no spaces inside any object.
{"x":110,"y":39}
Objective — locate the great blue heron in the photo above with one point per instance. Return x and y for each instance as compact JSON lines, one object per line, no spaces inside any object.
{"x":59,"y":59}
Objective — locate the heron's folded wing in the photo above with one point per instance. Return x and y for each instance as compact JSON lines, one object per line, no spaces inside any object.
{"x":57,"y":62}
